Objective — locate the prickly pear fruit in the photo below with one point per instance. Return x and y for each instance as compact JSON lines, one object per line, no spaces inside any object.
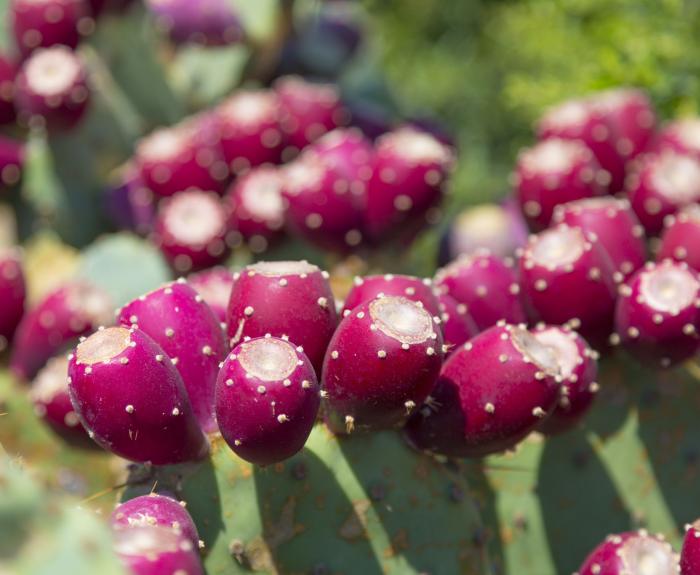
{"x":458,"y":327}
{"x":286,"y":298}
{"x":631,"y":552}
{"x":181,"y":323}
{"x":55,"y":323}
{"x":690,"y":554}
{"x":381,"y":364}
{"x":214,"y":285}
{"x":206,"y":22}
{"x":410,"y":287}
{"x":552,"y":173}
{"x":267,"y":399}
{"x":615,"y":227}
{"x":681,"y":237}
{"x":12,"y":294}
{"x":131,"y":399}
{"x":657,"y":317}
{"x":52,"y":86}
{"x":681,"y":136}
{"x":486,"y":285}
{"x":129,"y":203}
{"x":8,"y":73}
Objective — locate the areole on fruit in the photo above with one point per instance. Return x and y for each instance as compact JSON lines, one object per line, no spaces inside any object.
{"x":194,"y":218}
{"x":283,"y":268}
{"x":535,"y":351}
{"x":668,"y":289}
{"x":560,"y":246}
{"x":52,"y":72}
{"x":267,"y":359}
{"x":401,"y":319}
{"x":103,"y":345}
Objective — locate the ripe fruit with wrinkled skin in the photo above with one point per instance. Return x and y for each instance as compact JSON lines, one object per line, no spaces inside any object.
{"x":52,"y":326}
{"x":458,"y":327}
{"x":181,"y":323}
{"x":633,"y":552}
{"x":129,"y":203}
{"x":411,"y":287}
{"x":12,"y":294}
{"x":578,"y":366}
{"x":566,"y":277}
{"x":8,"y":72}
{"x":267,"y":399}
{"x":12,"y":154}
{"x":552,"y":173}
{"x":657,"y":317}
{"x":690,"y":554}
{"x":486,"y":285}
{"x":214,"y":285}
{"x":491,"y":393}
{"x":206,"y":22}
{"x":52,"y":85}
{"x":681,"y":237}
{"x":380,"y":365}
{"x":681,"y":136}
{"x":131,"y":399}
{"x":661,"y":185}
{"x":616,"y":229}
{"x":190,"y":230}
{"x":291,"y":299}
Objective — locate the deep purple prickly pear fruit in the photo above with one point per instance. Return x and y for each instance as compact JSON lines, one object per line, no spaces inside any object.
{"x":681,"y":237}
{"x":615,"y":226}
{"x":190,"y":230}
{"x":214,"y":285}
{"x":681,"y":136}
{"x":12,"y":294}
{"x":635,"y":552}
{"x":491,"y":393}
{"x":129,"y":203}
{"x":55,"y":323}
{"x":52,"y":86}
{"x":458,"y":327}
{"x":286,"y":298}
{"x":206,"y":22}
{"x":657,"y":317}
{"x":690,"y":554}
{"x":554,"y":172}
{"x":567,"y":278}
{"x":181,"y":323}
{"x":381,"y":364}
{"x":267,"y":399}
{"x":578,"y":366}
{"x":255,"y":209}
{"x":486,"y":285}
{"x":411,"y":287}
{"x":251,"y":134}
{"x":661,"y":185}
{"x":8,"y":73}
{"x":131,"y":399}
{"x":409,"y":177}
{"x":12,"y":153}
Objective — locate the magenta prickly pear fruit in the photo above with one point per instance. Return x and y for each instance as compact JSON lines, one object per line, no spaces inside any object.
{"x":615,"y":227}
{"x":267,"y":399}
{"x":214,"y":285}
{"x":55,"y":323}
{"x":308,"y":110}
{"x":411,"y":287}
{"x":491,"y":393}
{"x":251,"y":134}
{"x":256,"y":209}
{"x":657,"y":317}
{"x":206,"y":22}
{"x":12,"y":294}
{"x":556,"y":268}
{"x":661,"y":185}
{"x":381,"y":364}
{"x":8,"y":73}
{"x":190,"y":230}
{"x":410,"y":173}
{"x":348,"y":152}
{"x":690,"y":554}
{"x":285,"y":299}
{"x":131,"y":399}
{"x":635,"y":552}
{"x":52,"y":85}
{"x":181,"y":323}
{"x":681,"y":136}
{"x":681,"y":237}
{"x":12,"y":155}
{"x":578,"y":366}
{"x":554,"y":172}
{"x":487,"y":285}
{"x":458,"y":327}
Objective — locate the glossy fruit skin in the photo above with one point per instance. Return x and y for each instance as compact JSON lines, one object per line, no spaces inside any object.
{"x":690,"y":554}
{"x":680,"y":240}
{"x":13,"y":294}
{"x":178,"y":319}
{"x":138,"y":408}
{"x":266,"y":420}
{"x":214,"y":285}
{"x":12,"y":155}
{"x":8,"y":73}
{"x":411,"y":287}
{"x":205,"y":22}
{"x":458,"y":327}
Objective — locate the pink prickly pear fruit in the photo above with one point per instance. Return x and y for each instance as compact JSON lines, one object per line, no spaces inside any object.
{"x":205,"y":22}
{"x":190,"y":230}
{"x":615,"y":226}
{"x":12,"y":294}
{"x":52,"y":86}
{"x":8,"y":73}
{"x":178,"y":319}
{"x":661,"y":185}
{"x":12,"y":153}
{"x":214,"y":285}
{"x":132,"y":400}
{"x":63,"y":316}
{"x":556,"y":268}
{"x":491,"y":393}
{"x":680,"y":136}
{"x":381,"y":365}
{"x":286,"y":299}
{"x":267,"y":400}
{"x":680,"y":240}
{"x":486,"y":284}
{"x":348,"y":152}
{"x":251,"y":134}
{"x":410,"y":173}
{"x":555,"y":172}
{"x":690,"y":554}
{"x":411,"y":287}
{"x":255,"y":209}
{"x":631,"y":552}
{"x":657,"y":316}
{"x":458,"y":327}
{"x":578,"y":366}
